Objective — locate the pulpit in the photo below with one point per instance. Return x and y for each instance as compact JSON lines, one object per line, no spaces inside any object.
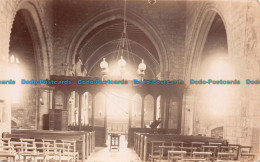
{"x":58,"y":119}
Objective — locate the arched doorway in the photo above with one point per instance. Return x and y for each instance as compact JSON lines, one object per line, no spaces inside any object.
{"x":23,"y":57}
{"x":28,"y":46}
{"x":212,"y":101}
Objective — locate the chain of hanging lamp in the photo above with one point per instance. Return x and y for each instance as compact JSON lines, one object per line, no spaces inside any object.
{"x":123,"y":50}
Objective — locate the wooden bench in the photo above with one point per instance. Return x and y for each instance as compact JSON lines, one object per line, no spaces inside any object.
{"x":132,"y":132}
{"x":85,"y":140}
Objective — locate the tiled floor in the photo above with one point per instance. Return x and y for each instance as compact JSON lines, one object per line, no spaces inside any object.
{"x":102,"y":154}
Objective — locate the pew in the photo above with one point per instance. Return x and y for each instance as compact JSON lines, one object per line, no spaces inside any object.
{"x":146,"y":139}
{"x":132,"y":133}
{"x":85,"y":140}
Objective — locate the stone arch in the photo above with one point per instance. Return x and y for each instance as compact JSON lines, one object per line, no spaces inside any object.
{"x":34,"y":23}
{"x":199,"y":34}
{"x":114,"y":14}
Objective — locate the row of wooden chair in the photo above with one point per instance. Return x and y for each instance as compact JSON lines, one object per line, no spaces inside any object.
{"x":44,"y":150}
{"x":198,"y":151}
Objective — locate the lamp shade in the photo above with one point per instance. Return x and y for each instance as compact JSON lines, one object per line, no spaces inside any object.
{"x":104,"y":64}
{"x":142,"y":66}
{"x":140,"y":73}
{"x":121,"y":62}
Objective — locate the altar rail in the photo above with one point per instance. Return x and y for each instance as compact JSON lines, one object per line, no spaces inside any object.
{"x":85,"y":140}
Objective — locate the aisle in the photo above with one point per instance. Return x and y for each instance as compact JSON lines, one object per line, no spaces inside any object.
{"x":102,"y":154}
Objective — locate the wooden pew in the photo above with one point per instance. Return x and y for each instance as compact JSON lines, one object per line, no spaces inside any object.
{"x":138,"y":142}
{"x":147,"y":138}
{"x":132,"y":131}
{"x":84,"y":139}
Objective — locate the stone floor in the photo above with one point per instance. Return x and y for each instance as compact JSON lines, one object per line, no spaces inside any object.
{"x":102,"y":154}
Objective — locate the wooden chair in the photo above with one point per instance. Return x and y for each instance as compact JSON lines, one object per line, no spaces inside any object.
{"x":27,"y":149}
{"x":176,"y":155}
{"x":5,"y":141}
{"x":177,"y":143}
{"x":114,"y":141}
{"x":246,"y":153}
{"x":235,"y":148}
{"x":189,"y":150}
{"x":50,"y":142}
{"x":155,"y":150}
{"x":163,"y":153}
{"x":19,"y":148}
{"x":72,"y":149}
{"x":202,"y":155}
{"x":54,"y":154}
{"x":68,"y":150}
{"x":7,"y":156}
{"x":216,"y":144}
{"x":7,"y":152}
{"x":212,"y":149}
{"x":227,"y":153}
{"x":197,"y":145}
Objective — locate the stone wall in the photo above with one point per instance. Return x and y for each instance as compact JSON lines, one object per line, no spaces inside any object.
{"x":42,"y":11}
{"x":178,"y":24}
{"x":241,"y":19}
{"x":169,"y":23}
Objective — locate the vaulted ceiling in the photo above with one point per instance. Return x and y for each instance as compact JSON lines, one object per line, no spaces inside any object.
{"x":103,"y":42}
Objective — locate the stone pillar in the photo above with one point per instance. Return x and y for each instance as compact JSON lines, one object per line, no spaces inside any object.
{"x":80,"y":110}
{"x":142,"y":113}
{"x":162,"y":104}
{"x":130,"y":113}
{"x":44,"y":105}
{"x":154,"y":108}
{"x":167,"y":105}
{"x":188,"y":111}
{"x":93,"y":111}
{"x":105,"y":116}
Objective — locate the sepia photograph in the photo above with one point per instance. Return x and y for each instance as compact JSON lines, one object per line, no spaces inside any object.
{"x":129,"y":80}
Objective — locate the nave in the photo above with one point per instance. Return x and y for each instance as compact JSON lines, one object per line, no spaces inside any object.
{"x":60,"y":54}
{"x":48,"y":146}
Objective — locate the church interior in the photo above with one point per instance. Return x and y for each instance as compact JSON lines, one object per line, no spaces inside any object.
{"x":130,"y":80}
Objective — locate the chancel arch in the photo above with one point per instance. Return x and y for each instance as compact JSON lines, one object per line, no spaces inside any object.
{"x":65,"y":40}
{"x":133,"y":20}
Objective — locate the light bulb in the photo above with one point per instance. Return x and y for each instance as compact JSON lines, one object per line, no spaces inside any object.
{"x":104,"y":64}
{"x":142,"y":66}
{"x":121,"y":62}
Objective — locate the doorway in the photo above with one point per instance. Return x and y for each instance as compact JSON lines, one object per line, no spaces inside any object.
{"x":118,"y":116}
